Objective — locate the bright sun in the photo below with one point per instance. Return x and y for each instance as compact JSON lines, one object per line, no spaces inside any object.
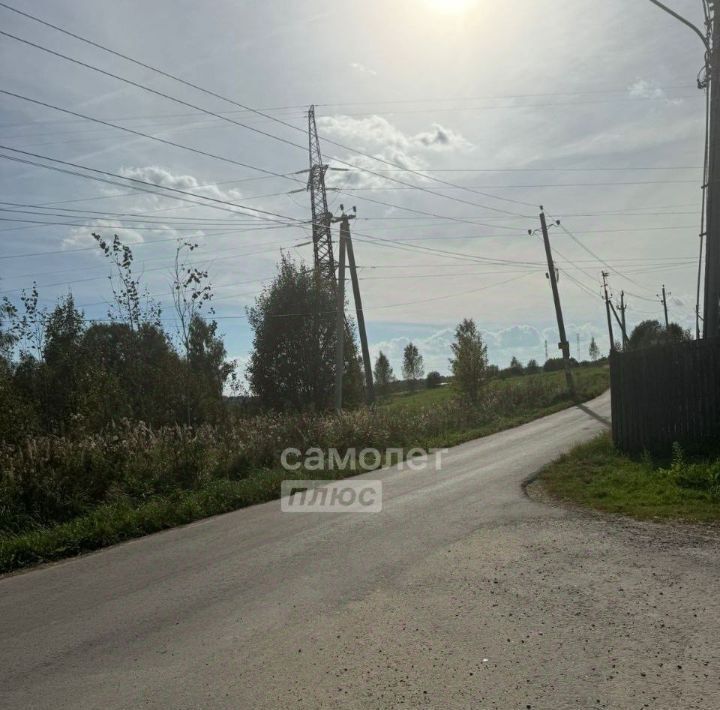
{"x":451,"y":6}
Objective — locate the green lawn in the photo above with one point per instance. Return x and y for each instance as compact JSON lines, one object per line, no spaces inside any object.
{"x":596,"y":475}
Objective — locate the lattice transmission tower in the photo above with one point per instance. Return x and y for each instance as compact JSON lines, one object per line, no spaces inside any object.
{"x":321,"y":216}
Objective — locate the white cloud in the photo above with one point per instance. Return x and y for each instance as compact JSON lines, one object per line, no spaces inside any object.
{"x":643,"y":89}
{"x":362,"y":69}
{"x":187,"y":183}
{"x":82,"y":236}
{"x":379,"y":138}
{"x":373,"y":132}
{"x":441,"y":138}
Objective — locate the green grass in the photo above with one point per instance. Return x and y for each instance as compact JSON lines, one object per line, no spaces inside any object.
{"x":596,"y":475}
{"x":521,"y":400}
{"x":113,"y":523}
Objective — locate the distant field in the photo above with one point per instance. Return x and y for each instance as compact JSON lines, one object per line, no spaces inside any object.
{"x":590,"y":382}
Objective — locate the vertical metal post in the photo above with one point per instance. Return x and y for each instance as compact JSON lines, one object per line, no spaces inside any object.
{"x":563,"y":344}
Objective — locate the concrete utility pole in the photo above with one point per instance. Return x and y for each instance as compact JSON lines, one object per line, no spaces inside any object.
{"x":367,"y":365}
{"x":346,"y":247}
{"x":711,"y":323}
{"x":607,"y":308}
{"x":619,"y":322}
{"x":663,"y":300}
{"x":552,"y":275}
{"x":711,"y":82}
{"x":546,"y":351}
{"x":623,"y":308}
{"x":340,"y":319}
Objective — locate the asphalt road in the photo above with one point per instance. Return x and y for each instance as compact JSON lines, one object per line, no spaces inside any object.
{"x":462,"y":593}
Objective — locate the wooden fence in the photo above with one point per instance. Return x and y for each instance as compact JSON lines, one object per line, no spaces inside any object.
{"x":665,"y":394}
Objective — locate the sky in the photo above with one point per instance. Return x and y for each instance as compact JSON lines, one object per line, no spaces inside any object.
{"x":448,"y":123}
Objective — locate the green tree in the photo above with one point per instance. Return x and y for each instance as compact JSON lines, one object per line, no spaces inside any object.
{"x":593,"y":350}
{"x":413,"y":367}
{"x":650,"y":332}
{"x":7,"y":336}
{"x":17,"y":414}
{"x":293,"y":361}
{"x":532,"y":367}
{"x":469,"y":362}
{"x":130,"y":373}
{"x":208,"y":368}
{"x":133,"y":304}
{"x":62,"y":369}
{"x":433,"y":380}
{"x":516,"y":367}
{"x":384,"y":374}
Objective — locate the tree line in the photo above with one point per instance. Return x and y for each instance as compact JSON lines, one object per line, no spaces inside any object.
{"x":61,"y":371}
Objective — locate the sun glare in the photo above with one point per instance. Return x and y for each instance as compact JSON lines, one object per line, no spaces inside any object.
{"x":450,"y":7}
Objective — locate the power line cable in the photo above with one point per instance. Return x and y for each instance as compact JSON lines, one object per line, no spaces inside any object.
{"x":230,"y":101}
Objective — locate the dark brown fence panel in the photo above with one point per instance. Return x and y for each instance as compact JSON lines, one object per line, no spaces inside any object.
{"x":665,"y":394}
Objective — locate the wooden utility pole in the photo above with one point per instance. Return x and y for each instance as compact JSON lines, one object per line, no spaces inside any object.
{"x":552,"y":275}
{"x":369,"y":387}
{"x":340,"y":319}
{"x":663,"y":300}
{"x":607,"y":308}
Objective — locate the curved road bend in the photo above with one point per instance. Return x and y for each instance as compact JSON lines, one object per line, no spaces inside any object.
{"x":461,"y":593}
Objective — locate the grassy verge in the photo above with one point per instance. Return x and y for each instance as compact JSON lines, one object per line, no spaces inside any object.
{"x":116,"y":522}
{"x":596,"y":475}
{"x":127,"y":517}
